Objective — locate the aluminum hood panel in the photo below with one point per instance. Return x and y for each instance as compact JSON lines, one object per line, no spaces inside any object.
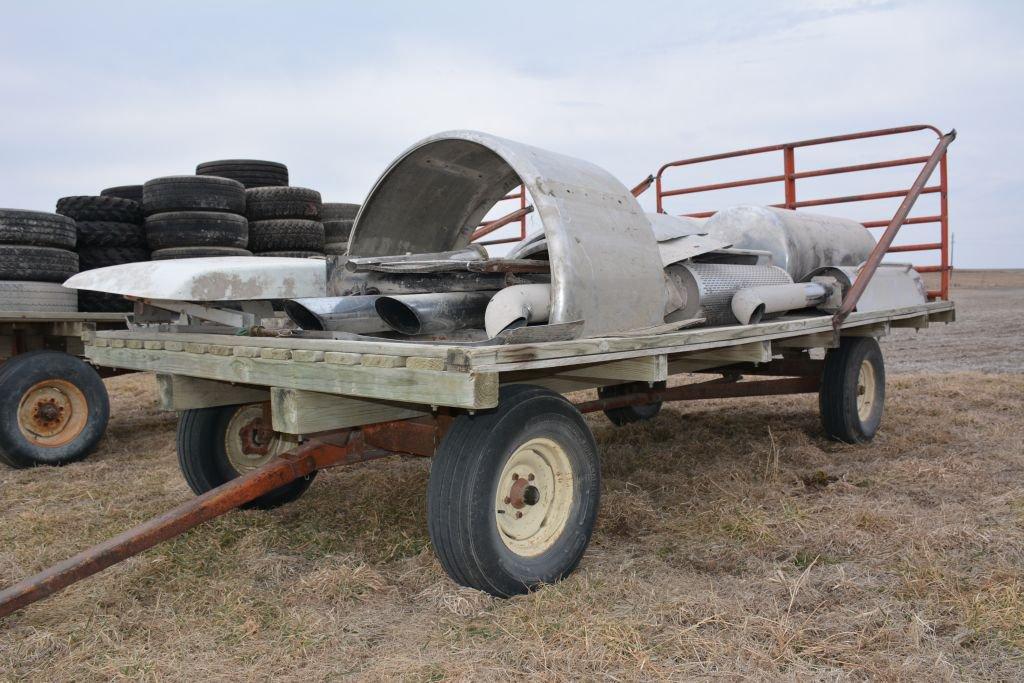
{"x":605,"y":264}
{"x":232,"y":278}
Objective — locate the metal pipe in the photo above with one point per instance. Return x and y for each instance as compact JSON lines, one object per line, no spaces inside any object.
{"x":885,"y":241}
{"x":433,"y":313}
{"x":713,"y":389}
{"x":356,"y":314}
{"x":751,"y":304}
{"x":344,"y":283}
{"x":517,"y":306}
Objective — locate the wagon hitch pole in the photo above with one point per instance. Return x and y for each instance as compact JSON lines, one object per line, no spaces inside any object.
{"x":413,"y":437}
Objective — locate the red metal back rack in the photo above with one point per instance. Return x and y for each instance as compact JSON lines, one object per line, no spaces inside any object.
{"x":790,"y":176}
{"x":516,"y":216}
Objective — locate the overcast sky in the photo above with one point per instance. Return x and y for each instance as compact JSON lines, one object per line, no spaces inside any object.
{"x":108,"y":93}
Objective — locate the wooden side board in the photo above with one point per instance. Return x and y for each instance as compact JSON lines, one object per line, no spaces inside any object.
{"x":177,"y":392}
{"x":305,"y":412}
{"x":456,"y":389}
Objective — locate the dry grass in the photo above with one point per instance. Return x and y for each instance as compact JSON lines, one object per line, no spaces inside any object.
{"x":733,"y":541}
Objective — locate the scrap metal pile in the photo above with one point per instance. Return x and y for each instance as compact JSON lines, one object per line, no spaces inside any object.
{"x":600,"y":266}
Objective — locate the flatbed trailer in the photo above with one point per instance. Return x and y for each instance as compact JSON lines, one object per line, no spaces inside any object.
{"x":515,"y":481}
{"x":57,"y":406}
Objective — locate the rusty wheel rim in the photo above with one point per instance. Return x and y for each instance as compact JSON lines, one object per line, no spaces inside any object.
{"x":534,"y":497}
{"x":52,"y":413}
{"x":249,"y":442}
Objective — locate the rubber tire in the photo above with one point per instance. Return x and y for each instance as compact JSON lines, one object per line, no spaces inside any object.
{"x":198,"y":252}
{"x":336,"y":249}
{"x":628,"y":414}
{"x":287,"y":234}
{"x":91,"y":208}
{"x":110,"y":234}
{"x":837,"y":397}
{"x":101,"y":257}
{"x":337,"y":231}
{"x":20,"y":373}
{"x":193,"y":193}
{"x":37,"y":229}
{"x":101,"y":302}
{"x":204,"y":463}
{"x":338,"y":211}
{"x":269,"y":203}
{"x":38,"y":264}
{"x":196,"y":229}
{"x":41,"y":297}
{"x":249,"y":172}
{"x":462,"y":487}
{"x":132,"y":192}
{"x":292,"y":254}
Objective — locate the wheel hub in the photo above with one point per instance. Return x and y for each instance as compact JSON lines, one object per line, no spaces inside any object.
{"x":249,"y":442}
{"x":866,"y":381}
{"x":52,"y":413}
{"x":534,"y":497}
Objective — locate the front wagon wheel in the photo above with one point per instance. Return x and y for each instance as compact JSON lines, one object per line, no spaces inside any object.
{"x":513,"y":493}
{"x":852,"y":393}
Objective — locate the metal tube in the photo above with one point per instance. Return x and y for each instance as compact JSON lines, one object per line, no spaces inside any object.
{"x":434,"y":313}
{"x":344,"y":283}
{"x":751,"y":304}
{"x":356,"y":314}
{"x":517,"y":306}
{"x":471,"y":252}
{"x":885,"y":241}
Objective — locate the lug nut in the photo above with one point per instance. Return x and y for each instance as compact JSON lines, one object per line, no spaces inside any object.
{"x":515,"y":476}
{"x":508,"y":499}
{"x":519,"y":515}
{"x":530,"y":477}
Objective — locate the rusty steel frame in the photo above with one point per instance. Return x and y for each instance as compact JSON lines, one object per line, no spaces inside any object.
{"x":519,"y":215}
{"x":790,"y":176}
{"x":330,"y":449}
{"x":717,"y":388}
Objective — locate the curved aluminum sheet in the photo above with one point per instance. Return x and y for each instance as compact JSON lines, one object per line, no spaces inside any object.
{"x":605,"y":265}
{"x":230,"y":278}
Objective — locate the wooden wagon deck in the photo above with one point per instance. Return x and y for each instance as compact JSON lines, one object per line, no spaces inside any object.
{"x":389,"y":379}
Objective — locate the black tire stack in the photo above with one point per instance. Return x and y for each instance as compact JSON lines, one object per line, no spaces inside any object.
{"x":195,"y":215}
{"x":285,"y":221}
{"x":338,"y":219}
{"x":109,"y":234}
{"x":36,"y":255}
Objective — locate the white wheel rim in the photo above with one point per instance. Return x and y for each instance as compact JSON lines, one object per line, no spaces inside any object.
{"x":248,"y":442}
{"x":534,"y":497}
{"x":865,"y":390}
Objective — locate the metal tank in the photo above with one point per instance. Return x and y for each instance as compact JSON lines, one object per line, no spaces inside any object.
{"x":799,"y":242}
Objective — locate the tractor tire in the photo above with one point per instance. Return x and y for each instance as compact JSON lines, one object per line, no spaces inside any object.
{"x":627,"y":414}
{"x":37,"y":229}
{"x":337,"y":232}
{"x":44,"y":297}
{"x":90,"y":258}
{"x":213,"y":449}
{"x":852,"y":393}
{"x":87,"y":208}
{"x":249,"y":172}
{"x":286,"y":234}
{"x":337,"y":211}
{"x":110,"y":234}
{"x":198,"y":252}
{"x":101,"y":302}
{"x":196,"y":229}
{"x":55,"y":409}
{"x":336,"y":249}
{"x":37,"y":264}
{"x":269,"y":203}
{"x":513,"y":493}
{"x":292,"y":254}
{"x":193,"y":193}
{"x":132,"y":192}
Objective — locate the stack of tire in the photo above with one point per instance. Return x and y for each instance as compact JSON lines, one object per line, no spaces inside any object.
{"x":283,"y":220}
{"x":109,"y":234}
{"x":36,"y":255}
{"x":338,"y":219}
{"x":189,"y":216}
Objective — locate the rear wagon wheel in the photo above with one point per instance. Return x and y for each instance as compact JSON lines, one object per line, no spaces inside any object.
{"x":635,"y":413}
{"x":215,"y":445}
{"x":513,"y":493}
{"x":852,"y":393}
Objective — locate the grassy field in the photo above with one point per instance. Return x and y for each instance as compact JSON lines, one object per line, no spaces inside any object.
{"x":733,"y":541}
